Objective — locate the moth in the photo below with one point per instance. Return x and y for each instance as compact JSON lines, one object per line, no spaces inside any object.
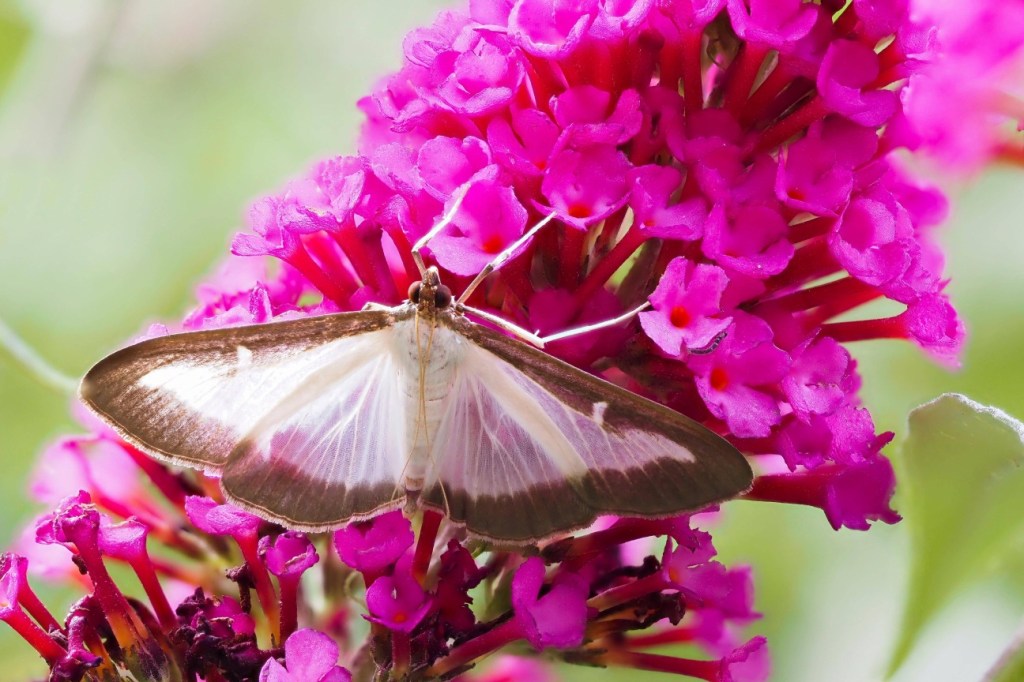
{"x":316,"y":422}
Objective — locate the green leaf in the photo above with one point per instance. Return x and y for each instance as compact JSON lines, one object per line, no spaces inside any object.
{"x":963,"y":498}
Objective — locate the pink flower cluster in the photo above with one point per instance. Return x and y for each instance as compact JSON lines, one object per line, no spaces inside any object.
{"x":733,"y":163}
{"x":964,"y":105}
{"x":582,"y":596}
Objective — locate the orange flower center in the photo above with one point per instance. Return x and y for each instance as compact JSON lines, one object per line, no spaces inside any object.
{"x":719,"y":379}
{"x":492,"y":244}
{"x":679,"y":317}
{"x":579,"y":211}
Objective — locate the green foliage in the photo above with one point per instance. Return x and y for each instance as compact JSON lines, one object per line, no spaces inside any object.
{"x":963,"y":497}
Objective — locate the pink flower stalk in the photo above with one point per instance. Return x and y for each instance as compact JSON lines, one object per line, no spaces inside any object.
{"x":731,"y":163}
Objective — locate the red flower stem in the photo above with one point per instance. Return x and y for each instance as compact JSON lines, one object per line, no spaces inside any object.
{"x":582,"y":549}
{"x":607,"y":266}
{"x":404,"y":248}
{"x":863,"y":330}
{"x":842,"y":294}
{"x":742,"y":74}
{"x":144,"y":569}
{"x":609,"y":229}
{"x":641,"y":67}
{"x":35,"y":636}
{"x":811,"y":261}
{"x":355,"y":250}
{"x":261,"y":579}
{"x":673,"y":636}
{"x":168,"y":485}
{"x":571,"y":256}
{"x":628,"y":592}
{"x":326,"y":252}
{"x":693,"y":89}
{"x":804,"y":489}
{"x":597,"y":61}
{"x":516,"y":276}
{"x":545,"y":80}
{"x":838,"y":305}
{"x":401,"y":655}
{"x":481,"y":645}
{"x":289,"y":588}
{"x":378,"y":262}
{"x":762,"y":98}
{"x":846,"y":23}
{"x":671,"y":65}
{"x":704,"y":670}
{"x":789,"y":126}
{"x":301,"y":261}
{"x":425,"y":544}
{"x":125,"y":624}
{"x":810,"y":229}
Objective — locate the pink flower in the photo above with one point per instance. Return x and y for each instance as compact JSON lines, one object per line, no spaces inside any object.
{"x":736,"y":379}
{"x":397,"y":601}
{"x":963,"y":99}
{"x":556,"y":619}
{"x":374,"y":545}
{"x":309,"y":656}
{"x":550,"y":28}
{"x":687,"y":307}
{"x":585,"y":186}
{"x":488,"y":220}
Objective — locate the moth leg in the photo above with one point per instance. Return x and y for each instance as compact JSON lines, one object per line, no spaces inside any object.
{"x":503,"y":257}
{"x":375,"y":307}
{"x":586,"y":329}
{"x":503,"y":324}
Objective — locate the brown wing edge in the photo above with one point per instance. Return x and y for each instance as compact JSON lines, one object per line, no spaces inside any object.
{"x":293,"y":493}
{"x":661,"y":488}
{"x":109,"y":389}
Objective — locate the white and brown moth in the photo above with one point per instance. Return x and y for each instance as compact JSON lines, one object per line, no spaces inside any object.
{"x":315,"y":422}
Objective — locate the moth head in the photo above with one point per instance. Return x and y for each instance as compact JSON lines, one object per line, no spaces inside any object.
{"x":430,"y":294}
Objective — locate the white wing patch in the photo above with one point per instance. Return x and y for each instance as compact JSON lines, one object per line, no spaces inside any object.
{"x":240,"y":394}
{"x":345,"y":425}
{"x":504,"y":433}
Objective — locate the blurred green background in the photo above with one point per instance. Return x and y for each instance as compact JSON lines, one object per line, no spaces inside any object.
{"x":133,"y":136}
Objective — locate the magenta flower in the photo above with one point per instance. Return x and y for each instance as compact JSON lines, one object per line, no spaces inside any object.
{"x":687,"y":311}
{"x":374,"y":546}
{"x":558,"y":618}
{"x":397,"y":602}
{"x":488,"y":220}
{"x":733,"y":163}
{"x":962,"y":102}
{"x":309,"y":656}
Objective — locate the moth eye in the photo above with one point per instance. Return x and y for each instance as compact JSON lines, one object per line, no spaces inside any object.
{"x":442,"y":297}
{"x":414,"y":291}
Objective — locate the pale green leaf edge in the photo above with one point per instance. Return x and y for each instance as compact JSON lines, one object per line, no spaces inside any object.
{"x":908,"y":636}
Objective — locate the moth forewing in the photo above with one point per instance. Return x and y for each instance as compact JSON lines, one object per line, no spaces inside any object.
{"x":191,"y":398}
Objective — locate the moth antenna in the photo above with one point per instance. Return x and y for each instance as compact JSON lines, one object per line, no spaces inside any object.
{"x":710,"y":348}
{"x":445,"y":220}
{"x":34,"y":363}
{"x":504,"y":256}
